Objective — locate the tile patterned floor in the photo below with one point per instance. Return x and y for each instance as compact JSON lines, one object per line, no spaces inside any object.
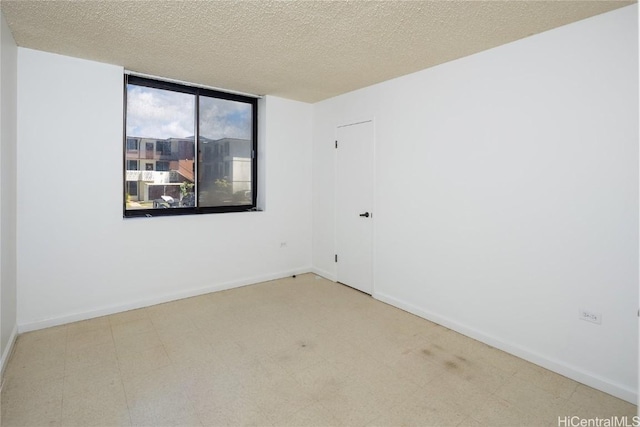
{"x":293,"y":352}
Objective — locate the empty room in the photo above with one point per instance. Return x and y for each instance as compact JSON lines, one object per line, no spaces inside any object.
{"x":320,"y":213}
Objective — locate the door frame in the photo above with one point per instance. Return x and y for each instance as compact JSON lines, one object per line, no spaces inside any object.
{"x":374,"y":209}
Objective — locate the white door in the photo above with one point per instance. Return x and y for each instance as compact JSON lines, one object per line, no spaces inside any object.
{"x":354,"y":204}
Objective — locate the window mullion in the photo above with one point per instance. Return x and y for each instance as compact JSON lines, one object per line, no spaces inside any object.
{"x":196,"y":151}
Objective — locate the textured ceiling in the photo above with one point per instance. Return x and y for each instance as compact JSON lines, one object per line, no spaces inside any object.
{"x":306,"y":51}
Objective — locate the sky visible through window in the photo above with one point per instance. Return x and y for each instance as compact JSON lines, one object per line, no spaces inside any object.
{"x":161,"y":114}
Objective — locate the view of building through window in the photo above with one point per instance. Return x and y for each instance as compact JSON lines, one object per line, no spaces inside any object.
{"x":166,"y":168}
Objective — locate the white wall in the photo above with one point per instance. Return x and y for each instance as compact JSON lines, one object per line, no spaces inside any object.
{"x":77,"y":256}
{"x":8,"y":82}
{"x":507,"y":196}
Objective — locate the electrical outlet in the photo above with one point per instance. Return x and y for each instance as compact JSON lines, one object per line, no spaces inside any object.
{"x":283,"y":244}
{"x":590,"y":316}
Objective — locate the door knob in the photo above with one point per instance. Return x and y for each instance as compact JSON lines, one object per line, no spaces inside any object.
{"x":366,"y":214}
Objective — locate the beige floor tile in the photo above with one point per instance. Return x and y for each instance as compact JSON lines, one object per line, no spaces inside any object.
{"x":403,"y":328}
{"x":280,"y":396}
{"x":216,"y":334}
{"x":228,"y":404}
{"x":240,"y":413}
{"x":471,"y":369}
{"x":89,"y":338}
{"x":228,"y":353}
{"x":82,"y":359}
{"x":465,"y":397}
{"x":88,"y":325}
{"x":134,"y":327}
{"x":89,"y":381}
{"x":345,"y":353}
{"x":27,"y":417}
{"x":258,"y":376}
{"x":144,"y":361}
{"x":104,"y":406}
{"x":299,"y":355}
{"x":389,"y":388}
{"x":498,"y":412}
{"x":172,"y":322}
{"x":158,"y":398}
{"x":533,"y":400}
{"x":594,"y":403}
{"x":226,"y":299}
{"x":176,"y":342}
{"x":439,"y":352}
{"x":132,"y":343}
{"x":38,"y":354}
{"x":299,"y":322}
{"x":317,"y":338}
{"x":128,"y":316}
{"x":321,"y":380}
{"x":312,"y":415}
{"x":36,"y":364}
{"x":213,"y":391}
{"x":470,"y":422}
{"x":352,"y":403}
{"x":349,"y":327}
{"x":210,"y":317}
{"x":157,"y":379}
{"x":178,"y":337}
{"x":192,"y":354}
{"x":32,"y":345}
{"x":549,"y":381}
{"x":500,"y":359}
{"x":416,"y":367}
{"x":43,"y":338}
{"x":451,"y":345}
{"x":298,"y":351}
{"x":266,"y":339}
{"x":419,"y":410}
{"x":165,"y":419}
{"x":31,"y":403}
{"x":389,"y":350}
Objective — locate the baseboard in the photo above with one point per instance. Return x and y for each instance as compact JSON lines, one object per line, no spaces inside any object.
{"x":6,"y":354}
{"x":557,"y":366}
{"x":146,"y":302}
{"x":324,"y":273}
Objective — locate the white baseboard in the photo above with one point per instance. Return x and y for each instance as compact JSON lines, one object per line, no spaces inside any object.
{"x":560,"y":367}
{"x":146,"y":302}
{"x":6,"y":354}
{"x":324,"y":273}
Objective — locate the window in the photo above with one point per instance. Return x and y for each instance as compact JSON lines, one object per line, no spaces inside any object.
{"x":132,"y":144}
{"x":205,"y":139}
{"x":163,"y":148}
{"x":132,"y":189}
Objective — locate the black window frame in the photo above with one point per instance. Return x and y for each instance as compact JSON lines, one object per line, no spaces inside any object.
{"x":196,"y":91}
